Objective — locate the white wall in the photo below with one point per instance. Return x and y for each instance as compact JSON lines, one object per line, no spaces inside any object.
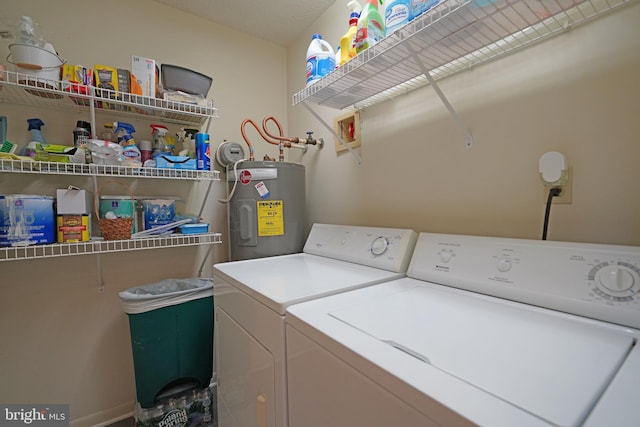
{"x":63,"y":341}
{"x":576,"y":93}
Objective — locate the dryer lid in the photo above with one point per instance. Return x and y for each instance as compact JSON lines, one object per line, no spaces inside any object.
{"x":549,"y":365}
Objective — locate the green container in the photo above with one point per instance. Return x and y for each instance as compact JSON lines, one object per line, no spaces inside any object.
{"x":172,"y":341}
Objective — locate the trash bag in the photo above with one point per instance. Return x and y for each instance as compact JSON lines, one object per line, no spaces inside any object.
{"x":165,"y":293}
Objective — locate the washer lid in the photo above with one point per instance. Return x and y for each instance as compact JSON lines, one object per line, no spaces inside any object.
{"x":550,"y":366}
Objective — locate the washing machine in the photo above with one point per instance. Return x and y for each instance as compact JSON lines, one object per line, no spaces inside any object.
{"x":482,"y":331}
{"x":251,"y":297}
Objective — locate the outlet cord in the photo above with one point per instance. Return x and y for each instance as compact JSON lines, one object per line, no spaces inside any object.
{"x":553,"y":192}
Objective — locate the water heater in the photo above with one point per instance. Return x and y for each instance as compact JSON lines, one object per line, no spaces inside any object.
{"x":266,"y":209}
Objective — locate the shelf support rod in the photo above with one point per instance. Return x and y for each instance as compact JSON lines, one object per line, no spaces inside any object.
{"x":333,"y":132}
{"x":467,"y":135}
{"x":98,"y":259}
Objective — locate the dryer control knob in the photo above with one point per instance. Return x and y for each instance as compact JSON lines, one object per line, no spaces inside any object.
{"x":379,"y":245}
{"x":504,"y":264}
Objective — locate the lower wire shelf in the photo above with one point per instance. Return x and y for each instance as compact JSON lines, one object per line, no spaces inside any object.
{"x":15,"y":253}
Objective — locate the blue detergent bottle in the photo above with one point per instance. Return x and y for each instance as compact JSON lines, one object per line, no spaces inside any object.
{"x":321,"y":59}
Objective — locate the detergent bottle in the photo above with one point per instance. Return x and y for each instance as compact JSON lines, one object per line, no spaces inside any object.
{"x":35,"y":127}
{"x":160,"y":145}
{"x":348,"y":41}
{"x":396,"y":14}
{"x":370,"y":26}
{"x":321,"y":59}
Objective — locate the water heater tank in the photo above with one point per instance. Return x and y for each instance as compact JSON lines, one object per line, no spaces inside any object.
{"x":267,"y":210}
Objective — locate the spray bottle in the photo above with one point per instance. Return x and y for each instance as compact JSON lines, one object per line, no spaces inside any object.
{"x":370,"y":26}
{"x":123,"y":129}
{"x":130,"y":152}
{"x":348,"y":41}
{"x":35,"y":127}
{"x":160,"y":145}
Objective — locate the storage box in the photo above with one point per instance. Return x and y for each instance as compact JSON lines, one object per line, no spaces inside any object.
{"x":185,"y":80}
{"x":185,"y":98}
{"x":106,"y":77}
{"x":73,"y":228}
{"x":194,"y":228}
{"x":72,"y":200}
{"x":26,"y":220}
{"x":176,"y":162}
{"x":144,"y":70}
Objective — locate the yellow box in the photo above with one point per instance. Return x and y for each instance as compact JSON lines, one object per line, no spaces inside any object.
{"x":73,"y":228}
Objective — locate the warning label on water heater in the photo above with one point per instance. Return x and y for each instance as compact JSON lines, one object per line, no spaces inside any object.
{"x":270,"y":218}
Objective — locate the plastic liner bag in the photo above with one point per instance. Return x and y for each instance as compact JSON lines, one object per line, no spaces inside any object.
{"x":165,"y":293}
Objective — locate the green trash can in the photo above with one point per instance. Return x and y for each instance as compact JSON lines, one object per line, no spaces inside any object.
{"x":171,"y":324}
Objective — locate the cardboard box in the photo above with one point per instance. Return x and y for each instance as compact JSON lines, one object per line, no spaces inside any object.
{"x":26,"y":220}
{"x":144,"y":70}
{"x":73,"y":228}
{"x":72,"y":200}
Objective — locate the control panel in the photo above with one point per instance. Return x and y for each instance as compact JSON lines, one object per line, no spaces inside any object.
{"x":385,"y":248}
{"x":593,"y":280}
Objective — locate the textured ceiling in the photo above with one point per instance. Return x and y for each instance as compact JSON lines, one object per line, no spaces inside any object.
{"x":279,"y":21}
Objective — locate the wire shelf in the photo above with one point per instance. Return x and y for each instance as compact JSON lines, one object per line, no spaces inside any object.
{"x":453,"y":36}
{"x":25,"y":89}
{"x":103,"y":246}
{"x":25,"y":166}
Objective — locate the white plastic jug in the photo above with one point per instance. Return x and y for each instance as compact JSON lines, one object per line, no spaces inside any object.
{"x":321,"y":59}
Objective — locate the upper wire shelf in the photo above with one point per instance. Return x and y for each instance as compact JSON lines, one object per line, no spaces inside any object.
{"x":451,"y":37}
{"x":25,"y":89}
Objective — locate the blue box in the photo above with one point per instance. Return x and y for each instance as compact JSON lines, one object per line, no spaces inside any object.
{"x":176,"y":162}
{"x":26,"y":220}
{"x":199,"y":228}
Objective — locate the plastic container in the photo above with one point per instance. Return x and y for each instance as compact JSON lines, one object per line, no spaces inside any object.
{"x":321,"y":59}
{"x":203,"y":151}
{"x":171,"y":324}
{"x":370,"y":26}
{"x":396,"y":14}
{"x":348,"y":41}
{"x":36,"y":61}
{"x":185,"y":80}
{"x":26,"y":220}
{"x":421,"y":6}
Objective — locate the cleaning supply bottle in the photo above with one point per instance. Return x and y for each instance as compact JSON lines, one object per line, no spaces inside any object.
{"x":123,"y":129}
{"x":396,"y":14}
{"x":370,"y":26}
{"x":348,"y":41}
{"x":35,"y":127}
{"x":160,"y":145}
{"x":130,"y":152}
{"x":321,"y":59}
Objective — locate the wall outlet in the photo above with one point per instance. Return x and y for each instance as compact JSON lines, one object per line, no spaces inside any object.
{"x":566,"y":196}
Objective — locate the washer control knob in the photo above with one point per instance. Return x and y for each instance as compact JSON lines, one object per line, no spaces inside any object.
{"x":445,"y":256}
{"x":504,"y":264}
{"x":379,"y":245}
{"x":616,"y":278}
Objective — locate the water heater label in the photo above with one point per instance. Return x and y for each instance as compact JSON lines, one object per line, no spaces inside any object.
{"x":262,"y":189}
{"x":270,"y":218}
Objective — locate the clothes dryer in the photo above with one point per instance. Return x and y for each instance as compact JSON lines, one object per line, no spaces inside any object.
{"x":251,"y":297}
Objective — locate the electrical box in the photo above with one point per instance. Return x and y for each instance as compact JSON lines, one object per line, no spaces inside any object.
{"x":348,"y":127}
